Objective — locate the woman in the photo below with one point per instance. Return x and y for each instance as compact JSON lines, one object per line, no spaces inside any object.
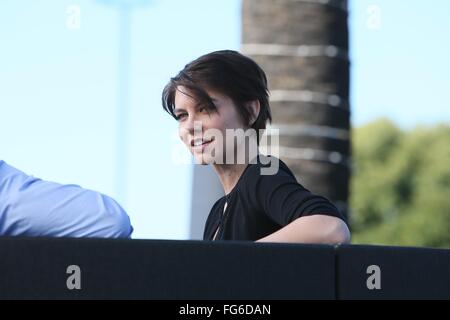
{"x":223,"y":92}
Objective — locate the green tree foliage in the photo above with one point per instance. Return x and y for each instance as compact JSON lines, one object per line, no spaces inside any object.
{"x":400,"y":189}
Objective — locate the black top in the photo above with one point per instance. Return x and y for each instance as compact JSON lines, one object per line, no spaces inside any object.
{"x":261,"y":204}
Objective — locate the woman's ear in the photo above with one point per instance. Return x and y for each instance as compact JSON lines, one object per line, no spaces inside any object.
{"x":253,"y":108}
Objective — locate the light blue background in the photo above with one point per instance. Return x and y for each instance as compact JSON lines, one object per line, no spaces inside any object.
{"x":58,"y":88}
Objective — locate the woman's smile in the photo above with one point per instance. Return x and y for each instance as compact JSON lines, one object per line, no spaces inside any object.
{"x":200,"y":144}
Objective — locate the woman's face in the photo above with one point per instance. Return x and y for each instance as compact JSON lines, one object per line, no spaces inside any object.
{"x":203,"y":131}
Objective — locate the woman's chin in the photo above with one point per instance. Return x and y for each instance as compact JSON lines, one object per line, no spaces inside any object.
{"x":204,"y":158}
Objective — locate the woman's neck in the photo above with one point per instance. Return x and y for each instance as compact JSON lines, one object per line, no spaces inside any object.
{"x":229,"y":174}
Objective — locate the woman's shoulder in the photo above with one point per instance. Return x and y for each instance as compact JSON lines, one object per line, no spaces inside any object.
{"x":268,"y":165}
{"x":216,"y":205}
{"x":269,"y":172}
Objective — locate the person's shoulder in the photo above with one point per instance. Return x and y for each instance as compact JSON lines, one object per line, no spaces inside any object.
{"x":214,"y":207}
{"x":214,"y":211}
{"x":4,"y":167}
{"x":12,"y":179}
{"x":268,"y":165}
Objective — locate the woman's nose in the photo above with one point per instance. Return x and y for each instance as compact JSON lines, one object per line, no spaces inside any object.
{"x":190,"y":124}
{"x":193,"y":125}
{"x":190,"y":128}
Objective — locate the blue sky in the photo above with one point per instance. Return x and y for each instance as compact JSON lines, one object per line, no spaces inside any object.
{"x":58,"y":88}
{"x":401,"y":70}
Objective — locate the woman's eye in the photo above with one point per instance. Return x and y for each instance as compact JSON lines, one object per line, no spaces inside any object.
{"x":203,"y":109}
{"x":180,"y":116}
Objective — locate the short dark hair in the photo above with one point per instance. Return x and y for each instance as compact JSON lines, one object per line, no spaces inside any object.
{"x":229,"y":72}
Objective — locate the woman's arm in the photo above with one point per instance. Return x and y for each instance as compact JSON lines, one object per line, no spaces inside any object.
{"x":317,"y":228}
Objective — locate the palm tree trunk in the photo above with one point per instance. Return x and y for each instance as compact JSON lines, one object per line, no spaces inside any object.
{"x":303,"y":47}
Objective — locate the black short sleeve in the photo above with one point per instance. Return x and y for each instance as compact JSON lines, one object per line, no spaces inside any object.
{"x":282,"y":198}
